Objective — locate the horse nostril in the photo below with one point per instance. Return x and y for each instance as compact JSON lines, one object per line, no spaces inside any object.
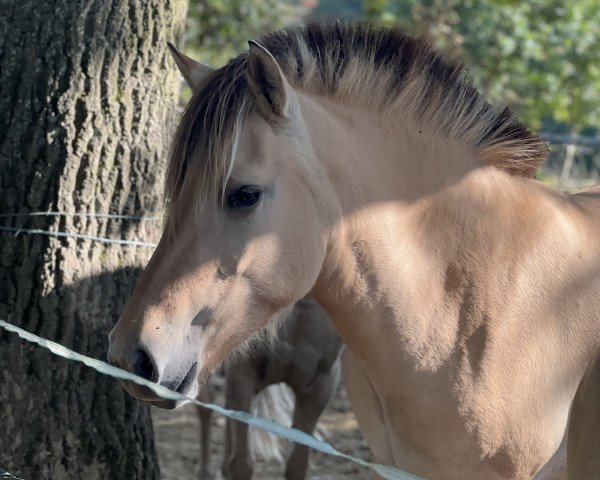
{"x":142,"y":365}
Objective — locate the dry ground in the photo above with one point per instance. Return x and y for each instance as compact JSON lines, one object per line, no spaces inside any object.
{"x":177,"y":434}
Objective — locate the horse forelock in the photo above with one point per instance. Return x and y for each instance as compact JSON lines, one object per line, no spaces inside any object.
{"x":205,"y":142}
{"x":368,"y":66}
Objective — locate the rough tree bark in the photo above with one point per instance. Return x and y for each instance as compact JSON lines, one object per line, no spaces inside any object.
{"x":87,"y":98}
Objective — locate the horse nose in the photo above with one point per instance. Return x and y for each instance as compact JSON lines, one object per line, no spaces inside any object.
{"x":143,"y":366}
{"x":138,"y":362}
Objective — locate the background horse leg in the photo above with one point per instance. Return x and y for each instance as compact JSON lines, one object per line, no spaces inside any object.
{"x":310,"y":403}
{"x":239,"y":392}
{"x":206,"y":395}
{"x":583,"y":445}
{"x":205,"y":419}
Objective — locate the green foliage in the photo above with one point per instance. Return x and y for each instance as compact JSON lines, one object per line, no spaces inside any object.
{"x":541,"y":56}
{"x":333,"y":9}
{"x":374,"y":9}
{"x":218,"y":30}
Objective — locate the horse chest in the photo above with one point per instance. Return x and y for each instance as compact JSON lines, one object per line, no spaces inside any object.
{"x":437,"y":428}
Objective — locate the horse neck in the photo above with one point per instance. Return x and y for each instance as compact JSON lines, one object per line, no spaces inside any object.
{"x":422,"y":226}
{"x":374,"y":157}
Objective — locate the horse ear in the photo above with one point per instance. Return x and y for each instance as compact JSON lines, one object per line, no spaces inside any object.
{"x":273,"y":92}
{"x":193,"y":72}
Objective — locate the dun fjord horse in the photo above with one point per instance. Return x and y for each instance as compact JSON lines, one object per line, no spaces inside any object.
{"x":304,"y":354}
{"x":356,"y":163}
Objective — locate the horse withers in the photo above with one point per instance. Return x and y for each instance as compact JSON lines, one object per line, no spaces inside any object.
{"x":356,"y":163}
{"x":303,"y":353}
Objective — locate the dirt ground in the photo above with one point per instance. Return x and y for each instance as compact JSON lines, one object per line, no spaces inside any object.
{"x":177,"y":434}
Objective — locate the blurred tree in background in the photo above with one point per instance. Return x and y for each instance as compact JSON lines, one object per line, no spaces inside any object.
{"x":542,"y":56}
{"x":218,"y":30}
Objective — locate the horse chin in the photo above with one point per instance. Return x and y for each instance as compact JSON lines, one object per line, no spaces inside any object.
{"x":188,"y":388}
{"x":139,"y":391}
{"x":168,"y":404}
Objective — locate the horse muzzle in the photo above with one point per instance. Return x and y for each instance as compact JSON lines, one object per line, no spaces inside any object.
{"x":176,"y":369}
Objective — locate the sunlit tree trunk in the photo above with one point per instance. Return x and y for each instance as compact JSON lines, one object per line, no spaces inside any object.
{"x":570,"y":151}
{"x":87,"y":97}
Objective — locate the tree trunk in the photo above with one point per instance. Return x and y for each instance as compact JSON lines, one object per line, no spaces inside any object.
{"x":570,"y":151}
{"x":87,"y":99}
{"x":565,"y":173}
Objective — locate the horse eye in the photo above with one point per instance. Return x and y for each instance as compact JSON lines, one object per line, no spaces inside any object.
{"x":245,"y":196}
